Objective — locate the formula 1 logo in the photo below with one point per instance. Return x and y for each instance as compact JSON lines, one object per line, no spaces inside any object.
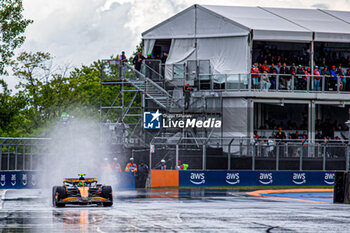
{"x":299,"y":178}
{"x":232,"y":178}
{"x":24,"y":179}
{"x":197,"y":178}
{"x":152,"y":120}
{"x":13,"y":179}
{"x":33,"y":180}
{"x":265,"y":178}
{"x":329,"y":178}
{"x":3,"y":180}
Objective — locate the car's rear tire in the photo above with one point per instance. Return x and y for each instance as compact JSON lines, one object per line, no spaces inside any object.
{"x":58,"y":193}
{"x":107,"y":193}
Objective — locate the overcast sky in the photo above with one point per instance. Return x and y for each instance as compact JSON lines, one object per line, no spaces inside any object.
{"x":82,"y":31}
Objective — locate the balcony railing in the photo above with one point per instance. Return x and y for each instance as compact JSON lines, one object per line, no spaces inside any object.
{"x":275,"y":83}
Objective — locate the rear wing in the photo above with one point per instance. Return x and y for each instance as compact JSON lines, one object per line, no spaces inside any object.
{"x":77,"y":180}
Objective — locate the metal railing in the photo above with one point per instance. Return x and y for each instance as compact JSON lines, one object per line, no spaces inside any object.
{"x":275,"y":154}
{"x":275,"y":82}
{"x":22,"y":153}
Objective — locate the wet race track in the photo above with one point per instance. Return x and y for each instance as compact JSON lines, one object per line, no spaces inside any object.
{"x":177,"y":211}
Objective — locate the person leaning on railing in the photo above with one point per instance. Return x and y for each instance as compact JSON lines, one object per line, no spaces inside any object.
{"x":255,"y":75}
{"x":317,"y":78}
{"x":326,"y":75}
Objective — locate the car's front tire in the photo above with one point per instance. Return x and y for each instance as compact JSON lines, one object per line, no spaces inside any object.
{"x":58,"y":193}
{"x":107,"y":193}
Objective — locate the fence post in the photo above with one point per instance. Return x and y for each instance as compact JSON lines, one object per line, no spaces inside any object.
{"x":277,"y":156}
{"x":347,"y":159}
{"x":253,"y":158}
{"x":204,"y":165}
{"x":301,"y":158}
{"x":324,"y":158}
{"x":0,"y":157}
{"x":176,"y":154}
{"x":150,"y":158}
{"x":8,"y":157}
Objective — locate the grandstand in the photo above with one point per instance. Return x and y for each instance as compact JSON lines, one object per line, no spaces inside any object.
{"x":213,"y":48}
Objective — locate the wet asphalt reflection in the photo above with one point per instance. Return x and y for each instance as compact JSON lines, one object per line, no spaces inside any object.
{"x":189,"y":210}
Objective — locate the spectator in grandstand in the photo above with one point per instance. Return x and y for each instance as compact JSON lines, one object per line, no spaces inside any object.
{"x":265,"y":81}
{"x":294,"y":59}
{"x":265,"y":67}
{"x":271,"y":145}
{"x":279,"y":60}
{"x":333,"y":79}
{"x":143,"y":174}
{"x":261,"y":58}
{"x":317,"y":79}
{"x":273,"y":76}
{"x":300,"y":83}
{"x":162,"y":165}
{"x":323,"y":62}
{"x":284,"y":77}
{"x":326,"y":75}
{"x":280,"y":135}
{"x":120,"y":130}
{"x":256,"y":136}
{"x":255,"y":76}
{"x":187,"y":94}
{"x":307,"y":77}
{"x":342,"y":79}
{"x":347,"y":77}
{"x":269,"y":59}
{"x":164,"y":57}
{"x":137,"y":61}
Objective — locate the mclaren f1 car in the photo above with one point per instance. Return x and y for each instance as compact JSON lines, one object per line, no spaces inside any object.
{"x":81,"y":191}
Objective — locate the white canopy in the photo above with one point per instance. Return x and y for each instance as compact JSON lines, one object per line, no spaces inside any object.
{"x":278,"y":24}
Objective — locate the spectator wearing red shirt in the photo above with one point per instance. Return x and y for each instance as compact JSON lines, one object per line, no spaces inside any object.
{"x":255,"y":75}
{"x":317,"y":79}
{"x":265,"y":67}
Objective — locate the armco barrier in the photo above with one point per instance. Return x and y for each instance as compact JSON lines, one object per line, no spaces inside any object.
{"x":254,"y":178}
{"x":164,"y":178}
{"x":18,"y":180}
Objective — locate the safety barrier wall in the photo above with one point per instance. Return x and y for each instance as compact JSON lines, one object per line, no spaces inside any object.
{"x":164,"y":178}
{"x":241,"y":178}
{"x":29,"y":180}
{"x":19,"y":180}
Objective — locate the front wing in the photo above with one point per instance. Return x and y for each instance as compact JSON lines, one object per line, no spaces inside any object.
{"x":80,"y":201}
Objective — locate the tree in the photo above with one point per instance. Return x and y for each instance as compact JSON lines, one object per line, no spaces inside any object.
{"x":12,"y":26}
{"x":10,"y":107}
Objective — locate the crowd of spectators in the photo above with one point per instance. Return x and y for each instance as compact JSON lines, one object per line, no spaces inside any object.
{"x":292,"y":73}
{"x":324,"y":130}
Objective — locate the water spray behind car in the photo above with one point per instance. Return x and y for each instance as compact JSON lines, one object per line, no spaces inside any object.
{"x":75,"y":148}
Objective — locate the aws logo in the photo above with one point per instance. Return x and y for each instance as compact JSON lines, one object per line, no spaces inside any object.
{"x":265,"y":178}
{"x":299,"y":178}
{"x":197,"y":178}
{"x":232,"y":178}
{"x":329,"y":178}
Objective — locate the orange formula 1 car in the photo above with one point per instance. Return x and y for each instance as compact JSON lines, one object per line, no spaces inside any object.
{"x":81,"y":191}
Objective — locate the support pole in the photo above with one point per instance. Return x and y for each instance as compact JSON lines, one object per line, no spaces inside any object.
{"x":204,"y":165}
{"x":150,"y":159}
{"x":176,"y":155}
{"x":277,"y":156}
